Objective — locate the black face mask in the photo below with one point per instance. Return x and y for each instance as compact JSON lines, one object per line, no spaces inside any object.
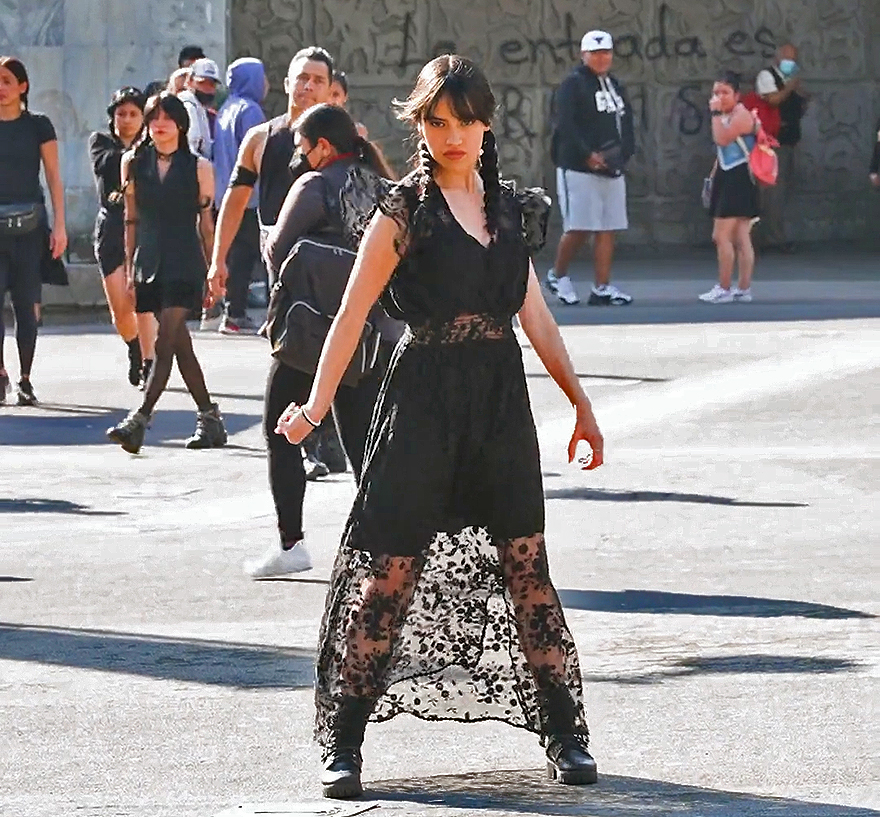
{"x":300,"y":164}
{"x":205,"y":98}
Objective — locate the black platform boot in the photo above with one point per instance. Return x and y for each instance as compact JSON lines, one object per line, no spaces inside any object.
{"x":568,"y":760}
{"x":341,"y":777}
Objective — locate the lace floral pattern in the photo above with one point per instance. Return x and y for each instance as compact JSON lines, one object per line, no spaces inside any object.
{"x":463,"y":328}
{"x":472,"y":630}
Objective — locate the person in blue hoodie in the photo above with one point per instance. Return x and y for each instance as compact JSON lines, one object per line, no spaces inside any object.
{"x":247,"y":84}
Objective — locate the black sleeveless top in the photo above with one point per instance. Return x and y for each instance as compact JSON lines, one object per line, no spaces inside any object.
{"x":168,"y":245}
{"x":275,"y":174}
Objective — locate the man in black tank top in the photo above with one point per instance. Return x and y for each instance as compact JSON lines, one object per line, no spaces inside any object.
{"x":265,"y":156}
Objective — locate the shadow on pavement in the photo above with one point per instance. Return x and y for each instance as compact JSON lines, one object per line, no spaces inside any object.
{"x":51,"y":506}
{"x":731,"y":665}
{"x":14,"y":579}
{"x":660,"y":602}
{"x":199,"y":661}
{"x":606,"y":495}
{"x":86,"y":425}
{"x":527,"y":792}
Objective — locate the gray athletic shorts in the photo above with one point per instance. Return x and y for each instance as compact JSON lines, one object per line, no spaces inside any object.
{"x":590,"y":202}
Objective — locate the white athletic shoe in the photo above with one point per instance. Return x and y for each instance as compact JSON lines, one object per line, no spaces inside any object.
{"x":717,"y":295}
{"x":278,"y":562}
{"x":566,"y":292}
{"x":608,"y":295}
{"x":551,"y":280}
{"x":742,"y":296}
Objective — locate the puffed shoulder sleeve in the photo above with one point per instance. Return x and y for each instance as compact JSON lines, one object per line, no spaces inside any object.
{"x":534,"y":206}
{"x":397,"y":203}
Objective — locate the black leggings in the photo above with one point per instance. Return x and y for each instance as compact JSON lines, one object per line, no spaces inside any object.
{"x":20,"y":257}
{"x":352,"y":411}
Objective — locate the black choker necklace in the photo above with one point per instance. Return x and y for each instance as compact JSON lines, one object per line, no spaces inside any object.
{"x":165,"y":156}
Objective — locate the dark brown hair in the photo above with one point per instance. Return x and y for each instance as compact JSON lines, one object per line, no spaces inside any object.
{"x":175,"y":110}
{"x":465,"y":88}
{"x":16,"y":67}
{"x":330,"y":122}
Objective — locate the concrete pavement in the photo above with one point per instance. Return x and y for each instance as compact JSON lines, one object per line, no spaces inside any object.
{"x":719,"y":575}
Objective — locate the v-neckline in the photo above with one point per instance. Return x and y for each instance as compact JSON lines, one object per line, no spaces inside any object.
{"x":459,"y":224}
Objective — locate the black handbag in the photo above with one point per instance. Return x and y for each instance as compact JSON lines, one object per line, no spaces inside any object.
{"x":18,"y":219}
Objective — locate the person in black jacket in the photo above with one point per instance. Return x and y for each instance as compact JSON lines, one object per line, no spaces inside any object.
{"x":592,"y":142}
{"x":329,"y":150}
{"x":126,"y":113}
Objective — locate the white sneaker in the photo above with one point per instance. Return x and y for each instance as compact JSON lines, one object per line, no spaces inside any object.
{"x":551,"y":280}
{"x":565,"y":291}
{"x":717,"y":295}
{"x":608,"y":295}
{"x":278,"y":562}
{"x":742,"y":296}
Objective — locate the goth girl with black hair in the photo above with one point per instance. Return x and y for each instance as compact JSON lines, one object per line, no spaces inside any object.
{"x":441,"y":603}
{"x":27,"y":142}
{"x":126,"y":113}
{"x":168,"y":193}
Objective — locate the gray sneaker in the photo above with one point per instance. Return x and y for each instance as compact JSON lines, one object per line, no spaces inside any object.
{"x":210,"y":431}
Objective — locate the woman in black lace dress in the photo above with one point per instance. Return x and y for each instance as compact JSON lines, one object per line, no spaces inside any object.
{"x":441,"y":603}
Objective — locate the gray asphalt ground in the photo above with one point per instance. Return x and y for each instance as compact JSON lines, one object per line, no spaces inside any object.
{"x":719,"y":574}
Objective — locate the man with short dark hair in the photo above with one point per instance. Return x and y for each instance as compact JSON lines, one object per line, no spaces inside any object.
{"x":189,"y":54}
{"x":779,"y":86}
{"x":592,"y":141}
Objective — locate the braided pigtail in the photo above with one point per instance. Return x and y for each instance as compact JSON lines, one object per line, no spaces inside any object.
{"x":427,"y":165}
{"x":491,"y":182}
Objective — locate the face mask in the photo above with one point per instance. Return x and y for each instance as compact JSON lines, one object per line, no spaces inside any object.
{"x":300,"y":164}
{"x":205,"y":98}
{"x":787,"y":67}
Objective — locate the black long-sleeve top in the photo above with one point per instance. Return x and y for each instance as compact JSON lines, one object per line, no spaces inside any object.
{"x":106,"y":152}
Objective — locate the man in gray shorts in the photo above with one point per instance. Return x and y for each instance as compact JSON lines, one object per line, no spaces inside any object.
{"x":591,"y":144}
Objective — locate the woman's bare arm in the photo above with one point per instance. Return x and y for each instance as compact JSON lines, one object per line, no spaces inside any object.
{"x":206,"y":202}
{"x":543,"y":333}
{"x":131,"y":214}
{"x":741,"y":123}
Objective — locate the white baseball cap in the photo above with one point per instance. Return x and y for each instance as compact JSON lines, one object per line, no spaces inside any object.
{"x":205,"y":68}
{"x":597,"y":41}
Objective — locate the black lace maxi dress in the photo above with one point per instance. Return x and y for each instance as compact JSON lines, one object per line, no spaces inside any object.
{"x":452,"y":478}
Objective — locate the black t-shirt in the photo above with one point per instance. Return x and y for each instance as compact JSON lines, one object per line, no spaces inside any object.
{"x":20,"y":142}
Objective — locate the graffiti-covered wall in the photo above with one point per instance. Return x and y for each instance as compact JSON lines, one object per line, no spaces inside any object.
{"x":667,"y":53}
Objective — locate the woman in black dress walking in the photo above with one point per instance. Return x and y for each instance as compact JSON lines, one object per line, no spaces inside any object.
{"x":441,"y":603}
{"x":168,"y":236}
{"x":126,"y":112}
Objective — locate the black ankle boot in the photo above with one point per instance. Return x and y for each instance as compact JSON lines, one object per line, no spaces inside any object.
{"x":569,"y":762}
{"x":341,"y":777}
{"x":566,"y":737}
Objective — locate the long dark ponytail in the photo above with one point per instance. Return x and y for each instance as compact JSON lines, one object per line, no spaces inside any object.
{"x":16,"y":67}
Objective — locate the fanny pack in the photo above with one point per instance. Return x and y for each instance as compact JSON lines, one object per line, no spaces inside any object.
{"x":18,"y":219}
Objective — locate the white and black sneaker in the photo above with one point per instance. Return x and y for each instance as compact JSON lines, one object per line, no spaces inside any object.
{"x":608,"y":295}
{"x":551,"y":280}
{"x":566,"y":292}
{"x":742,"y":296}
{"x":717,"y":295}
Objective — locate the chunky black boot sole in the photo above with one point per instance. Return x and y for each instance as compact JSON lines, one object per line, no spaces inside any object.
{"x":572,"y":777}
{"x":345,"y":788}
{"x":131,"y":446}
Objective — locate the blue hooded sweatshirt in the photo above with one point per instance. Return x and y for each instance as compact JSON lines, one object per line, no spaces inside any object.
{"x":245,"y":79}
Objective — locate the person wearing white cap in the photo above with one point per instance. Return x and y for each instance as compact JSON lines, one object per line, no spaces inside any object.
{"x":199,"y":93}
{"x":592,"y":141}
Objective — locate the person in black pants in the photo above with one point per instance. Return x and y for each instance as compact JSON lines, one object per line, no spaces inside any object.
{"x":168,"y":191}
{"x":27,"y":140}
{"x":329,"y":149}
{"x":126,"y":113}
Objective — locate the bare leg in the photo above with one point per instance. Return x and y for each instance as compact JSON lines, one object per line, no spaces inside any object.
{"x":569,"y":246}
{"x":603,"y":255}
{"x":121,"y":304}
{"x":745,"y":252}
{"x":723,"y":236}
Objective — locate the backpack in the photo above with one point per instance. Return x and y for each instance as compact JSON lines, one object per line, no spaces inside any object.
{"x":771,"y":119}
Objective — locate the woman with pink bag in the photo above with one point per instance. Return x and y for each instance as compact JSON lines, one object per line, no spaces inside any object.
{"x":734,"y":196}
